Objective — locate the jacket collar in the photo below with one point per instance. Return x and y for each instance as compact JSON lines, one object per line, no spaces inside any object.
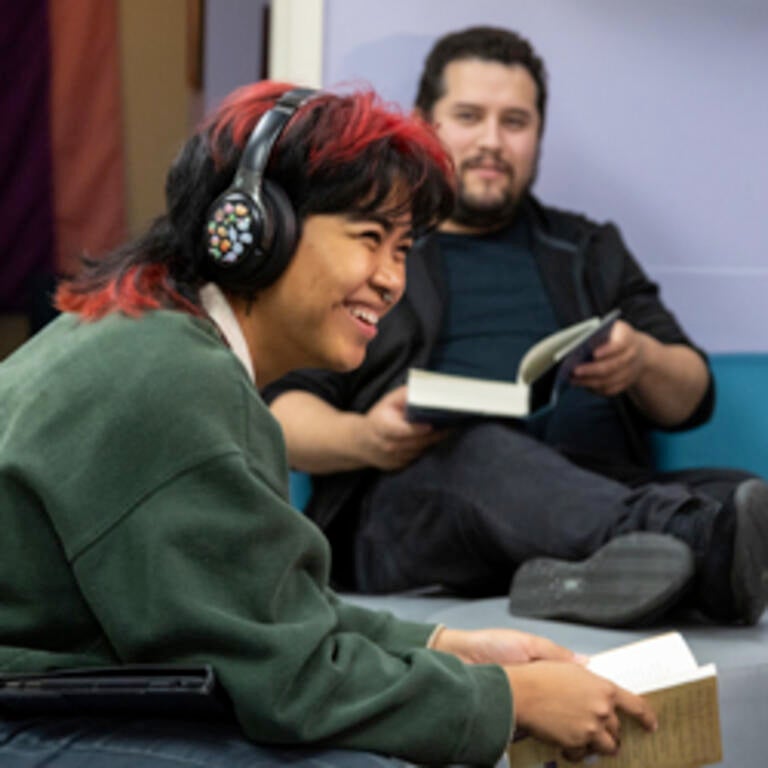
{"x":560,"y":243}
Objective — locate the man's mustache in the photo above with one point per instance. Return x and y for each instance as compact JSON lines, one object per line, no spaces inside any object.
{"x":484,"y":161}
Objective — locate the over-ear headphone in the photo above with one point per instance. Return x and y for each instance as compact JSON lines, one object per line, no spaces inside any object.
{"x":251,"y":228}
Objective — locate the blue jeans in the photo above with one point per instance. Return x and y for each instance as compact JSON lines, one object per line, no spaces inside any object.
{"x":92,"y":742}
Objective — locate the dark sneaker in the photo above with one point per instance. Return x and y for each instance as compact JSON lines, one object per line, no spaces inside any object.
{"x":629,"y":581}
{"x":749,"y":573}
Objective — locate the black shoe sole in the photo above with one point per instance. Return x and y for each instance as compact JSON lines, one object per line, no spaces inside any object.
{"x":629,"y":581}
{"x":749,"y":573}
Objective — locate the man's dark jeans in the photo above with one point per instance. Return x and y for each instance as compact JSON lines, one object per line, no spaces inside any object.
{"x":472,"y":509}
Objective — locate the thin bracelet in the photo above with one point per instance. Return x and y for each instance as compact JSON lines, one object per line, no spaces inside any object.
{"x":436,"y":632}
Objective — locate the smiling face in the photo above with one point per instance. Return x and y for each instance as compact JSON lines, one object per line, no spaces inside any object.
{"x":488,"y":121}
{"x":346,"y":273}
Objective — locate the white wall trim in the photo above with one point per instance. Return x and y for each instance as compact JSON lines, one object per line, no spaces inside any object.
{"x":296,"y":42}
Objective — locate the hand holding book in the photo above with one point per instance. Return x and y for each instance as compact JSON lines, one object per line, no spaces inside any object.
{"x":542,"y":374}
{"x":389,"y":441}
{"x":568,"y":705}
{"x":684,"y":695}
{"x":555,"y":696}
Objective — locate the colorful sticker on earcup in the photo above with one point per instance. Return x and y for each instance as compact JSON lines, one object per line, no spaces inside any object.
{"x":229,"y":232}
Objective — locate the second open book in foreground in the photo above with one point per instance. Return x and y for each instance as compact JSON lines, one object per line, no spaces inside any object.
{"x":683,"y":694}
{"x":542,"y":373}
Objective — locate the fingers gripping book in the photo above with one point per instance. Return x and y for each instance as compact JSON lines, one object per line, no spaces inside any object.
{"x":543,"y":372}
{"x":683,"y":694}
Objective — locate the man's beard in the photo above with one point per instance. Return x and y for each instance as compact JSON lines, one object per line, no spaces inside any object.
{"x":486,"y":216}
{"x":489,"y":215}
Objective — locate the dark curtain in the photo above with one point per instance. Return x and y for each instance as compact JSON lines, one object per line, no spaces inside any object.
{"x":26,"y":199}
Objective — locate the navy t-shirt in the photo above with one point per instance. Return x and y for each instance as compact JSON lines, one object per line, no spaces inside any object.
{"x":497,"y":307}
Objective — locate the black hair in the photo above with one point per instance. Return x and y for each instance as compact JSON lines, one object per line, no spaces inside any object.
{"x":484,"y":43}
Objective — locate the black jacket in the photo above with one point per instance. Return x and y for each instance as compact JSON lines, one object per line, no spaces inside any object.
{"x":586,"y":270}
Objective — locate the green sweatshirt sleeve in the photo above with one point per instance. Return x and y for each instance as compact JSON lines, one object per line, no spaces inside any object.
{"x":215,"y":566}
{"x":391,"y":633}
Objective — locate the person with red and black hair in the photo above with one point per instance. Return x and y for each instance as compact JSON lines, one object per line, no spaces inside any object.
{"x":143,"y":481}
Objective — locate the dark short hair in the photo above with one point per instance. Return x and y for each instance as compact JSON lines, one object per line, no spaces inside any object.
{"x":486,"y":44}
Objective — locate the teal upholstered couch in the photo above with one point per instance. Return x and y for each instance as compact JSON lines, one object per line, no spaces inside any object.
{"x":737,"y":435}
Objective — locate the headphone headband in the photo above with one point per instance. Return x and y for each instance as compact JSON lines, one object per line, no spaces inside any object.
{"x":253,"y":161}
{"x":251,"y":228}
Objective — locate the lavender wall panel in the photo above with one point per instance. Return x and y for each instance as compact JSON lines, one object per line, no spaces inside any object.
{"x":658,"y":121}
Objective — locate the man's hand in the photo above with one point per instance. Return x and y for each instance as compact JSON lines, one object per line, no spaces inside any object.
{"x":389,"y":441}
{"x":617,"y":364}
{"x":665,"y":381}
{"x":500,"y":646}
{"x":567,"y":705}
{"x":322,"y":439}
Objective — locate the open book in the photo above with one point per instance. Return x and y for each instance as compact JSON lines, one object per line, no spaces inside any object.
{"x":683,"y":694}
{"x":544,"y":370}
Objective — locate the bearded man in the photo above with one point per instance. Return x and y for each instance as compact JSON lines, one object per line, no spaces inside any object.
{"x":567,"y":502}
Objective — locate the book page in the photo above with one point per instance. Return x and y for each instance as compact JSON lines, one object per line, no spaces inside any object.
{"x":647,"y":664}
{"x":688,"y":735}
{"x":541,"y":356}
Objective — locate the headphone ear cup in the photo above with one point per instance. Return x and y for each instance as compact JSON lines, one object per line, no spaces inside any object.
{"x":282,"y":231}
{"x":234,"y":231}
{"x":249,"y":242}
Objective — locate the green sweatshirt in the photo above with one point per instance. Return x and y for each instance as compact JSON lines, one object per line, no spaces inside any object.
{"x":143,"y":505}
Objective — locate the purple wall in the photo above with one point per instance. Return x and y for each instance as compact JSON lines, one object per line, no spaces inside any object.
{"x":233,"y":46}
{"x":658,"y":121}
